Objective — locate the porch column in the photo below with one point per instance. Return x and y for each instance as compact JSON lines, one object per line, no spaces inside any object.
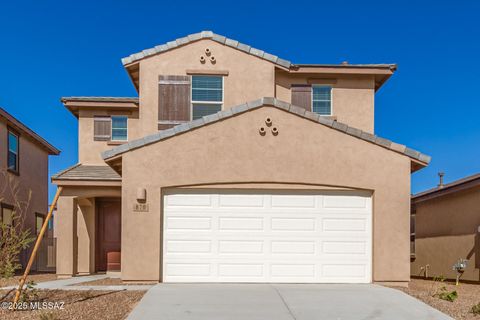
{"x":86,"y":236}
{"x":67,"y":242}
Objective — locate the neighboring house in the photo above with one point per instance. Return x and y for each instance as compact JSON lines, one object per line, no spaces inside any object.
{"x":234,"y":165}
{"x":446,"y":223}
{"x":24,"y":179}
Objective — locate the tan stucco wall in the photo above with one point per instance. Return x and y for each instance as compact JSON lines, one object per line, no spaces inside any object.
{"x":352,"y":96}
{"x":249,"y":78}
{"x":86,"y":236}
{"x":447,"y":230}
{"x":89,"y":150}
{"x":33,"y":168}
{"x":232,"y":151}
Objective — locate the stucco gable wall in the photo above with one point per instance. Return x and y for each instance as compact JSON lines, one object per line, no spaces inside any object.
{"x":249,"y":77}
{"x":233,"y":151}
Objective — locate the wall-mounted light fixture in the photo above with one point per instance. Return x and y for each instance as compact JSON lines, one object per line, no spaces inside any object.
{"x":141,"y":194}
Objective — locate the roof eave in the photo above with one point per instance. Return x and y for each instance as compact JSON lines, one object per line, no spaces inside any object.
{"x":74,"y":104}
{"x":456,"y":186}
{"x":18,"y":125}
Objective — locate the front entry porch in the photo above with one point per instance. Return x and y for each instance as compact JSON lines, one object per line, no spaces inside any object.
{"x":88,"y":231}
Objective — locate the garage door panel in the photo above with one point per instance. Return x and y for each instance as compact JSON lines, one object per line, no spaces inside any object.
{"x":293,"y":201}
{"x":345,"y":224}
{"x":189,"y":223}
{"x":344,"y":247}
{"x":240,"y":223}
{"x":293,"y":224}
{"x":241,"y":270}
{"x":279,"y":247}
{"x":241,"y":200}
{"x":336,"y":271}
{"x":343,"y":202}
{"x":240,"y":246}
{"x":189,"y":246}
{"x":188,"y":200}
{"x":276,"y":236}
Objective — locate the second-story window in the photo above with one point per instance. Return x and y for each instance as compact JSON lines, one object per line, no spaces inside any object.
{"x":322,"y":100}
{"x":13,"y":157}
{"x":207,"y":95}
{"x":119,"y":128}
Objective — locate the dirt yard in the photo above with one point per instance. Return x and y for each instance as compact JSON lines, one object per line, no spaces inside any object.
{"x":35,"y":277}
{"x":77,"y":305}
{"x":468,"y":295}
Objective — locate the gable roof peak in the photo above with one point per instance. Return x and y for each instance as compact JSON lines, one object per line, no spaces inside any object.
{"x":206,"y":34}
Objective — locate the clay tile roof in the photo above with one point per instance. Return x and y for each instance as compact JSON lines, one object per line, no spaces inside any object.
{"x":206,"y":35}
{"x":23,"y":128}
{"x":88,"y":172}
{"x":458,"y":185}
{"x":165,"y":134}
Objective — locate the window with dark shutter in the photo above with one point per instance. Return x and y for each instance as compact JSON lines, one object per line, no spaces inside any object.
{"x":102,"y":127}
{"x":173,"y":100}
{"x":302,"y":96}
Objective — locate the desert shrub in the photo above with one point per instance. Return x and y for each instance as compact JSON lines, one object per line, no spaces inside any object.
{"x":476,"y":309}
{"x":13,"y":236}
{"x":446,"y":295}
{"x":29,"y":293}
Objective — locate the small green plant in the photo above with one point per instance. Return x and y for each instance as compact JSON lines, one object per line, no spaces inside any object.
{"x":47,"y":316}
{"x":476,"y":309}
{"x":446,"y":295}
{"x":29,"y":293}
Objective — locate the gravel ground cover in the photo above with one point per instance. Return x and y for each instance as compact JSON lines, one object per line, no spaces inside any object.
{"x":468,"y":295}
{"x":77,"y":305}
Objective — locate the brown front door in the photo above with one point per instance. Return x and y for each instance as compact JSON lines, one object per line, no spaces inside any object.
{"x":109,"y":231}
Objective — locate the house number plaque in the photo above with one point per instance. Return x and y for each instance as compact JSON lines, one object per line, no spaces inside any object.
{"x":140,"y":207}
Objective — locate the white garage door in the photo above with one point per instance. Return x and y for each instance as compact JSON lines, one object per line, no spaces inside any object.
{"x":235,"y":236}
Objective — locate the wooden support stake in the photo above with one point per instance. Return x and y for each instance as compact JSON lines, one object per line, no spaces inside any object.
{"x":35,"y":248}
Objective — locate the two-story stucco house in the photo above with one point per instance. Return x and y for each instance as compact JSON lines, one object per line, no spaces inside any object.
{"x":234,"y":165}
{"x":24,"y":182}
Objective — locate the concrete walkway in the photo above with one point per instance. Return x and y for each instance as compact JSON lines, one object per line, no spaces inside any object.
{"x":72,"y":284}
{"x":280,"y":302}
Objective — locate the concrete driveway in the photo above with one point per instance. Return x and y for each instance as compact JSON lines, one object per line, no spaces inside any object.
{"x":279,"y":302}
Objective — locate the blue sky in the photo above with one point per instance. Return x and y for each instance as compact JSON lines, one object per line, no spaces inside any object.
{"x":51,"y":49}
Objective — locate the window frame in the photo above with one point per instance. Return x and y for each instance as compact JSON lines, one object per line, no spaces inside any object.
{"x":17,"y":165}
{"x":6,"y":206}
{"x":331,"y":99}
{"x":43,"y":216}
{"x":111,"y":127}
{"x":192,"y":102}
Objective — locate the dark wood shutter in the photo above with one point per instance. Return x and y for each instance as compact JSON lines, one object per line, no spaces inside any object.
{"x":102,"y":128}
{"x":302,"y":96}
{"x":173,"y":100}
